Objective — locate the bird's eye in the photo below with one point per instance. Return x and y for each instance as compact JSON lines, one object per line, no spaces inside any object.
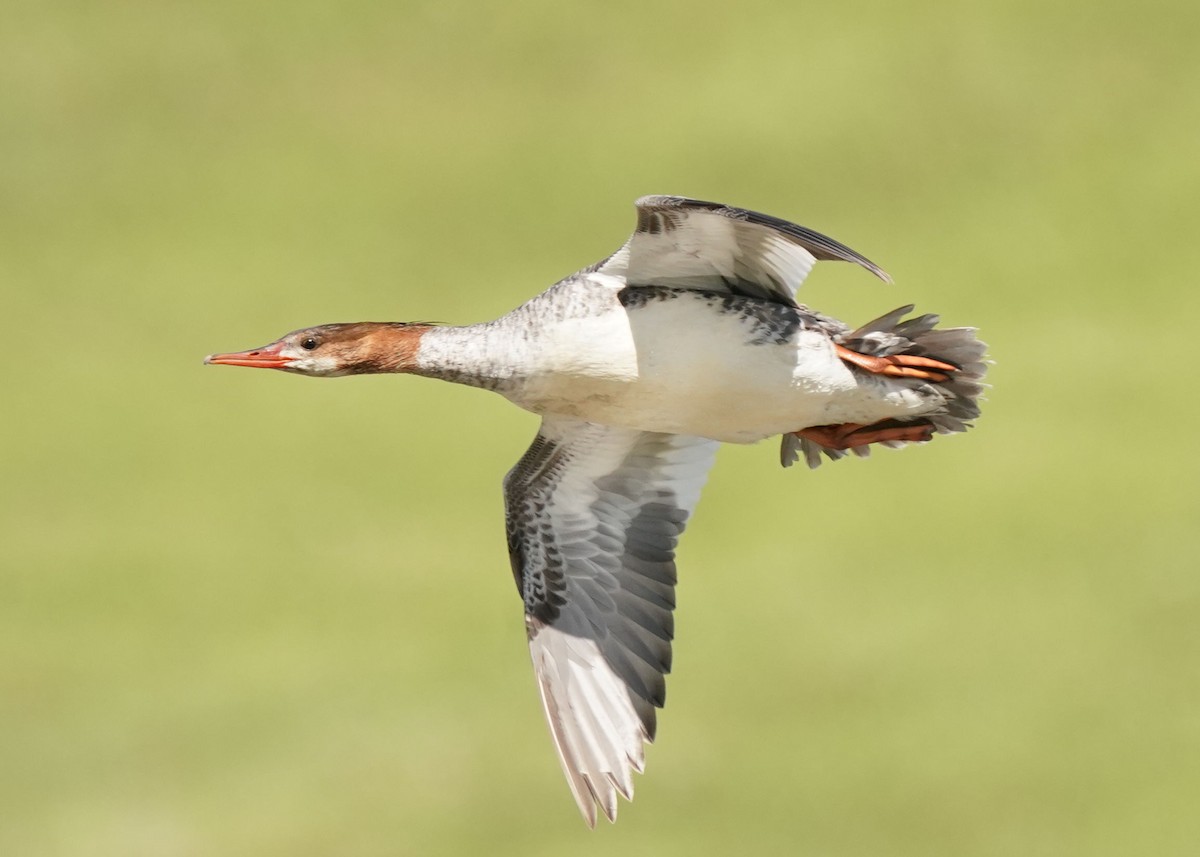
{"x":309,"y":343}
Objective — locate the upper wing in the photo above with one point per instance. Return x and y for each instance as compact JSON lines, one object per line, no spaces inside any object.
{"x":688,"y":243}
{"x":593,"y":516}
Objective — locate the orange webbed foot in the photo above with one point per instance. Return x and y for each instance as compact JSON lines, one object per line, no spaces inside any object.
{"x":899,"y":365}
{"x":850,"y":435}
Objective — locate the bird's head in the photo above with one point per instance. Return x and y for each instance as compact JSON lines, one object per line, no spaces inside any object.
{"x":330,"y":350}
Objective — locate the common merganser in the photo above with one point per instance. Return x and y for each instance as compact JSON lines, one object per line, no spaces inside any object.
{"x":639,"y":365}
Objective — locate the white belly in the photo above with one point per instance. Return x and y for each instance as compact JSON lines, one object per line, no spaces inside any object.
{"x":679,"y":367}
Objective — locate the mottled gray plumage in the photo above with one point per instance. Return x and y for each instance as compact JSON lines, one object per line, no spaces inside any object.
{"x":766,"y":322}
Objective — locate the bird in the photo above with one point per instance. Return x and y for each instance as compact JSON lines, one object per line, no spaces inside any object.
{"x":640,"y":366}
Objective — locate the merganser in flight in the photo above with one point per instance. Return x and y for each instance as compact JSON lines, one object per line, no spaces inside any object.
{"x":687,"y":336}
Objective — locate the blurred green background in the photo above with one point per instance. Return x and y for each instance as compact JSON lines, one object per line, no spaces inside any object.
{"x":243,"y":613}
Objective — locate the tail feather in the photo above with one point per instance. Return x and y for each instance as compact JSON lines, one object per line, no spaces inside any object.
{"x":893,"y":334}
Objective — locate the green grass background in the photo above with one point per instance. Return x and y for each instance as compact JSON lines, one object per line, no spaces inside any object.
{"x":249,"y":614}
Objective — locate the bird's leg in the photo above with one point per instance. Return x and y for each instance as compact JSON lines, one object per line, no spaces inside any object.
{"x":899,"y":365}
{"x":849,"y":435}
